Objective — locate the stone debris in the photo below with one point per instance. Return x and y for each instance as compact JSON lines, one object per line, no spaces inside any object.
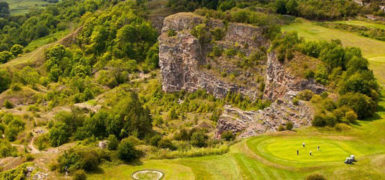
{"x":103,"y":144}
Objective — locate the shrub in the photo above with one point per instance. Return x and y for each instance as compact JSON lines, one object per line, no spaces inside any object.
{"x":182,"y":135}
{"x":5,"y":80}
{"x":112,"y":142}
{"x":16,"y":49}
{"x":363,"y":105}
{"x":80,"y":175}
{"x":127,"y":151}
{"x":295,"y":101}
{"x":166,"y":144}
{"x":59,"y":134}
{"x":281,"y":128}
{"x":172,"y":114}
{"x":228,"y":135}
{"x":351,"y":116}
{"x":305,"y":95}
{"x":319,"y":120}
{"x":171,"y":33}
{"x":73,"y":160}
{"x":289,"y":126}
{"x":154,"y":141}
{"x":342,"y":127}
{"x":315,"y":177}
{"x":199,"y":139}
{"x":8,"y":104}
{"x":202,"y":33}
{"x":218,"y":34}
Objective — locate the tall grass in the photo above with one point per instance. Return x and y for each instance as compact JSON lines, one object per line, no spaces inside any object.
{"x":194,"y":152}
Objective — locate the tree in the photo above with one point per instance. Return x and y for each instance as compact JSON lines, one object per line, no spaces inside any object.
{"x":280,"y":6}
{"x":289,"y":126}
{"x":5,"y":80}
{"x":80,"y":175}
{"x":112,"y":142}
{"x":4,"y":9}
{"x":199,"y":139}
{"x":292,"y":7}
{"x":17,"y":49}
{"x":228,"y":135}
{"x":152,"y":57}
{"x":5,"y":56}
{"x":130,"y":117}
{"x":59,"y":134}
{"x":127,"y":151}
{"x":363,"y":105}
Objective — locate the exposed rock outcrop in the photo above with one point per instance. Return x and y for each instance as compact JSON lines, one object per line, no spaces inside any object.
{"x":182,"y":57}
{"x":279,"y":81}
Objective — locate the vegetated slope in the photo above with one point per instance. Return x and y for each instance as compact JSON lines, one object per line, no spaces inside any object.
{"x":102,"y":74}
{"x":372,"y":49}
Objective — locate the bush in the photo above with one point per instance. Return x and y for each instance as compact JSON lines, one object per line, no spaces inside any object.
{"x":127,"y":151}
{"x":16,"y":49}
{"x":305,"y":95}
{"x":315,"y":177}
{"x":363,"y":105}
{"x":295,"y":101}
{"x":112,"y":142}
{"x":202,"y":33}
{"x":166,"y":144}
{"x":289,"y":126}
{"x":351,"y":116}
{"x":281,"y":128}
{"x":80,"y":175}
{"x":182,"y":135}
{"x":228,"y":135}
{"x":73,"y":160}
{"x":199,"y":139}
{"x":319,"y":120}
{"x":171,"y":33}
{"x":5,"y":80}
{"x":342,"y":127}
{"x":154,"y":141}
{"x":8,"y":104}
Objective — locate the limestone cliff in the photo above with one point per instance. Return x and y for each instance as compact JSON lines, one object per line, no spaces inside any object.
{"x":182,"y":57}
{"x":184,"y":60}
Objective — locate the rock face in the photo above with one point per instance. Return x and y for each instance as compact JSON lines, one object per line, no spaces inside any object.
{"x":279,"y":81}
{"x":182,"y":57}
{"x":281,"y":88}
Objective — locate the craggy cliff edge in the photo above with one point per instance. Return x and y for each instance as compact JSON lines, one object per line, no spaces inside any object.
{"x":181,"y":58}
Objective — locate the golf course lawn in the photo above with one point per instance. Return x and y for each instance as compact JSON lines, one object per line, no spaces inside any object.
{"x":273,"y":156}
{"x":285,"y":149}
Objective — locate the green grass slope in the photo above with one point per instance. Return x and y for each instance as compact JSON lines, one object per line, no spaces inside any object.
{"x":372,"y":49}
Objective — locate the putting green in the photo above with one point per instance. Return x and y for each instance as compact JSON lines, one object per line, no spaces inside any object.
{"x":284,"y":150}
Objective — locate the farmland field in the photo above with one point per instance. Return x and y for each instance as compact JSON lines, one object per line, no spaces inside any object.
{"x":19,"y":7}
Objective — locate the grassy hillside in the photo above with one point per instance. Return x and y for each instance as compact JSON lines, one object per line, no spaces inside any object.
{"x":372,"y":49}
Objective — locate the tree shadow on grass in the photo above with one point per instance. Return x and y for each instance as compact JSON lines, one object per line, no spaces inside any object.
{"x":136,"y":162}
{"x":98,"y":170}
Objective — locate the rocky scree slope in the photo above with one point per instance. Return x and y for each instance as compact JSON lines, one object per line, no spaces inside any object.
{"x":187,"y":63}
